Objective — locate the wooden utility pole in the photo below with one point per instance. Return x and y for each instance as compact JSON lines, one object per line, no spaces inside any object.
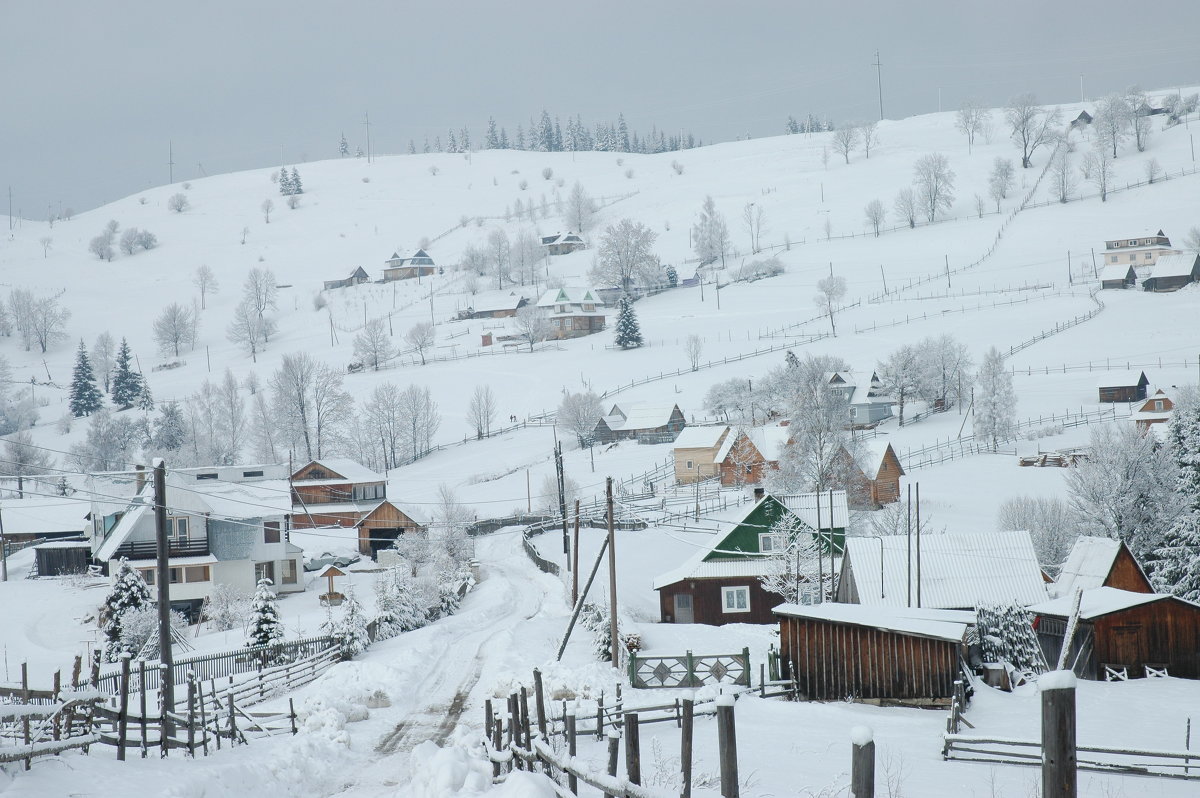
{"x":879,"y":82}
{"x":163,"y":580}
{"x":574,"y":558}
{"x":612,"y":579}
{"x":171,"y":161}
{"x":562,"y":498}
{"x":367,"y":128}
{"x":3,"y":552}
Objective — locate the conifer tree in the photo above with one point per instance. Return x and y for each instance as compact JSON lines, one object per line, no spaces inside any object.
{"x":126,"y":383}
{"x":622,"y":141}
{"x":629,"y":335}
{"x":285,"y":182}
{"x":1177,"y":563}
{"x":266,"y":627}
{"x":1006,"y":635}
{"x":503,"y":139}
{"x":85,"y":397}
{"x":169,"y":429}
{"x":145,"y":400}
{"x":129,"y":592}
{"x":492,"y":140}
{"x":358,"y":153}
{"x":451,"y":141}
{"x":1184,"y":441}
{"x":297,"y":186}
{"x":464,"y":140}
{"x":351,"y":628}
{"x":344,"y":147}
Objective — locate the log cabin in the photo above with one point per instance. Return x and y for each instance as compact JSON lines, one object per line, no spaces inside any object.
{"x":1123,"y":387}
{"x":695,"y":453}
{"x":1156,"y":409}
{"x":646,"y":424}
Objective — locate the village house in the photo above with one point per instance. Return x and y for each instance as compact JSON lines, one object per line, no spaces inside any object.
{"x":868,"y":403}
{"x":1099,"y":562}
{"x":494,"y":307}
{"x":339,"y":492}
{"x":876,"y":474}
{"x":722,"y":584}
{"x":695,"y":453}
{"x":1144,"y":250}
{"x":1129,"y":386}
{"x":952,"y":571}
{"x":1082,"y":121}
{"x":837,"y":652}
{"x":573,"y":312}
{"x":1156,"y":409}
{"x":646,"y":424}
{"x":231,"y":533}
{"x":357,"y":277}
{"x":751,"y":455}
{"x":1118,"y":275}
{"x":418,"y":264}
{"x":1172,"y":272}
{"x":563,"y":243}
{"x":1121,"y":634}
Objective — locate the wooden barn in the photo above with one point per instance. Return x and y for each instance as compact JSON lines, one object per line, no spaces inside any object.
{"x":501,"y":307}
{"x":876,"y":474}
{"x":1082,"y":121}
{"x":1100,"y":562}
{"x":843,"y":651}
{"x":418,"y":264}
{"x":1122,"y":634}
{"x":1172,"y":272}
{"x":1118,"y":275}
{"x":563,"y":243}
{"x":647,"y":424}
{"x":748,"y":457}
{"x":721,"y":583}
{"x":1127,"y":387}
{"x":357,"y":277}
{"x":1155,"y":410}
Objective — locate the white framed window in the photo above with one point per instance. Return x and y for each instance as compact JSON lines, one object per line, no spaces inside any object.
{"x":177,"y":528}
{"x":1149,"y":255}
{"x":769,"y":542}
{"x":735,"y":599}
{"x":690,"y":466}
{"x":1114,"y":258}
{"x":1158,"y":404}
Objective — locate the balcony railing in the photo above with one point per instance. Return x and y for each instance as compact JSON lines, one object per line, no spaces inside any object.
{"x":148,"y":549}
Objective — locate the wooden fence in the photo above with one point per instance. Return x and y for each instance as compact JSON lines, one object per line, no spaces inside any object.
{"x":1061,"y":326}
{"x":689,"y":670}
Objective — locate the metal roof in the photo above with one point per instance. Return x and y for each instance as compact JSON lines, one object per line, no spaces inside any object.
{"x":918,"y":622}
{"x":1096,"y":602}
{"x":700,"y":437}
{"x":814,"y":508}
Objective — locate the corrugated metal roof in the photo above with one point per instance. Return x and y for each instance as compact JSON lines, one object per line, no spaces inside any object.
{"x":937,"y":624}
{"x":1178,"y":264}
{"x":1087,"y":565}
{"x":806,"y":506}
{"x":1096,"y":602}
{"x":957,"y":570}
{"x":700,"y":437}
{"x":635,"y":417}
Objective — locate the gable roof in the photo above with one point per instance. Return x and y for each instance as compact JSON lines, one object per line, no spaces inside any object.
{"x":871,"y":454}
{"x":41,"y":515}
{"x":1116,"y":271}
{"x":1180,"y":264}
{"x":949,"y":625}
{"x":702,"y":437}
{"x":1124,"y":379}
{"x":343,"y":469}
{"x":957,"y":569}
{"x":562,"y":238}
{"x":1097,"y":602}
{"x":569,"y":296}
{"x":637,"y":416}
{"x":491,"y":302}
{"x":811,"y":507}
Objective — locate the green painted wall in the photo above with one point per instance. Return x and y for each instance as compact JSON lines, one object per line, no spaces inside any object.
{"x":760,"y":518}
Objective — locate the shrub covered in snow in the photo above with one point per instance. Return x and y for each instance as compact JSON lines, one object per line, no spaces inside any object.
{"x":129,"y":592}
{"x":266,"y":627}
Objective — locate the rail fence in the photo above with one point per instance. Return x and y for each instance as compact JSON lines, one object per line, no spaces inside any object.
{"x":965,"y":293}
{"x":1061,"y":326}
{"x":1107,"y":365}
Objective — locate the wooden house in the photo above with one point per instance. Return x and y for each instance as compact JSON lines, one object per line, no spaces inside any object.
{"x":952,"y":571}
{"x":1172,"y":272}
{"x":563,"y":243}
{"x":495,"y":307}
{"x":418,"y":264}
{"x":864,"y":394}
{"x":748,"y":457}
{"x":647,"y":424}
{"x":1127,"y":387}
{"x":1100,"y":562}
{"x":1123,"y":634}
{"x":695,"y":453}
{"x":357,"y":277}
{"x":721,"y":583}
{"x":342,"y":493}
{"x":876,"y":474}
{"x":1157,"y":409}
{"x":1082,"y":121}
{"x":844,"y":651}
{"x":1118,"y":275}
{"x":573,"y":312}
{"x":1143,"y":250}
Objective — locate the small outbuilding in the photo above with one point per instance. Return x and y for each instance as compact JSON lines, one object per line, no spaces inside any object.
{"x":1128,"y":387}
{"x":1121,"y":634}
{"x":876,"y":474}
{"x":1118,"y":275}
{"x":357,"y":277}
{"x":1082,"y":121}
{"x":1172,"y":272}
{"x":495,"y":307}
{"x":695,"y":453}
{"x":1100,"y":562}
{"x":63,"y":557}
{"x":642,"y":423}
{"x":845,"y":651}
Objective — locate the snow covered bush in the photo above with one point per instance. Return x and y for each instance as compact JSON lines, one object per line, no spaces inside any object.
{"x":227,"y":607}
{"x":129,"y":592}
{"x":178,"y":203}
{"x":396,"y":602}
{"x":266,"y":627}
{"x":139,"y":627}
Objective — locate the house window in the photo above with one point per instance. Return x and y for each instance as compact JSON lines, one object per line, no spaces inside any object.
{"x":1149,"y":255}
{"x":206,"y":476}
{"x":364,"y":492}
{"x":252,"y":473}
{"x":1114,"y":258}
{"x":689,"y":465}
{"x":196,"y":573}
{"x":768,"y":542}
{"x":148,"y":575}
{"x":177,"y":528}
{"x":289,"y":572}
{"x":270,"y":531}
{"x":176,"y":575}
{"x":1158,"y":404}
{"x":264,"y":570}
{"x":588,"y":307}
{"x":735,"y":599}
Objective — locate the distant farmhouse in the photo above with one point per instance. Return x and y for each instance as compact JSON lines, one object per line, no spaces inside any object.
{"x":563,"y":243}
{"x":1144,"y":250}
{"x":1156,"y":409}
{"x":497,"y":307}
{"x":573,"y":312}
{"x":1127,"y":387}
{"x":868,"y":403}
{"x":642,"y":423}
{"x":358,"y":276}
{"x":418,"y":264}
{"x":1172,"y":272}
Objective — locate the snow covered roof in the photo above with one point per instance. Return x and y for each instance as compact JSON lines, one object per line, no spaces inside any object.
{"x":701,"y":437}
{"x":870,"y":456}
{"x":1096,"y":602}
{"x":246,"y":499}
{"x":695,"y":567}
{"x":1087,"y":565}
{"x":769,"y":440}
{"x":1122,"y":379}
{"x":957,"y":569}
{"x":920,"y":622}
{"x":492,"y":302}
{"x":40,"y":515}
{"x":1177,"y":264}
{"x":350,"y":471}
{"x":1115,"y":271}
{"x":638,"y":416}
{"x":121,"y":531}
{"x":807,"y":505}
{"x":562,"y":238}
{"x":569,"y":296}
{"x":64,"y":544}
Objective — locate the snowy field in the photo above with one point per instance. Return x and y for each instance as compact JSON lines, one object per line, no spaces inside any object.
{"x":354,"y":213}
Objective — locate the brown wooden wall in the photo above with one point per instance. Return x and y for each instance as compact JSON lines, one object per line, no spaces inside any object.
{"x":323,"y":494}
{"x":706,"y":601}
{"x":885,"y":488}
{"x":1161,"y":633}
{"x":1126,"y":575}
{"x":836,"y":661}
{"x":384,"y":517}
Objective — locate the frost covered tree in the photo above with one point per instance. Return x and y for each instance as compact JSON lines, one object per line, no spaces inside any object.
{"x":901,"y":375}
{"x":1062,"y":176}
{"x":845,"y":140}
{"x":169,"y":429}
{"x":351,"y":629}
{"x":792,"y":569}
{"x":693,"y":347}
{"x":24,"y":459}
{"x":175,"y":326}
{"x":206,"y":283}
{"x":421,"y":421}
{"x":249,"y":329}
{"x":875,"y":214}
{"x":499,"y":254}
{"x":1184,"y":444}
{"x":1102,"y":174}
{"x":47,"y":322}
{"x":85,"y":397}
{"x":710,"y":235}
{"x":265,"y":624}
{"x":830,"y":291}
{"x":1111,"y":123}
{"x":524,"y":255}
{"x":396,"y":603}
{"x":1177,"y":558}
{"x":101,"y":247}
{"x":732,"y":400}
{"x":1000,"y":181}
{"x":946,"y":370}
{"x":869,"y":131}
{"x":421,"y":337}
{"x":311,"y":406}
{"x":995,"y":401}
{"x":126,"y":383}
{"x":628,"y":333}
{"x":1139,"y":117}
{"x":1049,"y":522}
{"x":227,"y":607}
{"x":816,"y":458}
{"x":266,"y":208}
{"x":905,"y":206}
{"x":533,"y":324}
{"x":1006,"y":635}
{"x":373,"y":346}
{"x":343,"y":147}
{"x":754,"y":217}
{"x":581,"y":209}
{"x":624,"y":251}
{"x":578,"y":414}
{"x":1030,"y":126}
{"x":935,"y":184}
{"x":261,"y":290}
{"x":971,"y":120}
{"x":481,"y":411}
{"x":178,"y":203}
{"x":129,"y":592}
{"x":102,"y":359}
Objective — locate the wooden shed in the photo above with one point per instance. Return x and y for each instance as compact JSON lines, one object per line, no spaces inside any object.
{"x":63,"y":557}
{"x":1128,"y":387}
{"x":1121,"y":632}
{"x":876,"y":474}
{"x":1173,"y":271}
{"x":1100,"y":562}
{"x":846,"y":651}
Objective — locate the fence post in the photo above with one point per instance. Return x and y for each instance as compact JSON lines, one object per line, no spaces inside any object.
{"x":685,"y":746}
{"x":203,"y":720}
{"x":191,"y":699}
{"x":614,"y":745}
{"x":232,"y":723}
{"x":572,"y":749}
{"x":689,"y":679}
{"x":540,"y":703}
{"x":600,"y":716}
{"x":862,"y":763}
{"x":1059,"y":777}
{"x":633,"y":749}
{"x":727,"y":747}
{"x":122,"y":711}
{"x":526,"y":736}
{"x":514,"y":725}
{"x":142,"y":704}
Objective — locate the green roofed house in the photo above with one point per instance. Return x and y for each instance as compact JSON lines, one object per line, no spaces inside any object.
{"x":720,"y":583}
{"x":573,"y":312}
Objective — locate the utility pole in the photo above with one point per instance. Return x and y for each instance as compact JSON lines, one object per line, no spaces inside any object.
{"x":367,"y":128}
{"x":3,"y":552}
{"x":163,"y":580}
{"x":947,"y":271}
{"x":10,"y":208}
{"x":562,"y":497}
{"x":918,"y":545}
{"x":884,"y":276}
{"x":171,"y":161}
{"x":879,"y":83}
{"x":612,"y":580}
{"x":1081,"y":99}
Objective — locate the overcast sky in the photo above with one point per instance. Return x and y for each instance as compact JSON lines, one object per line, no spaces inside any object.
{"x":94,"y":91}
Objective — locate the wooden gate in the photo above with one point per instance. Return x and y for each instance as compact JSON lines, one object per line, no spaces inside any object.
{"x":690,"y":670}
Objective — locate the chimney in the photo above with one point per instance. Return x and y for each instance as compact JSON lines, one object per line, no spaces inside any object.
{"x":140,"y":476}
{"x":759,"y":493}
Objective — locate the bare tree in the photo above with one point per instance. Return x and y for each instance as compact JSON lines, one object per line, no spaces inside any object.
{"x":870,"y":135}
{"x":102,"y":354}
{"x":946,"y":370}
{"x":624,"y":250}
{"x":474,"y":259}
{"x":206,"y":282}
{"x":845,"y":140}
{"x":101,"y":247}
{"x":1001,"y":180}
{"x":1062,"y":175}
{"x":753,"y":217}
{"x":905,"y":206}
{"x":24,"y":459}
{"x":830,"y":291}
{"x":1031,"y":127}
{"x":421,"y":421}
{"x":1192,"y":239}
{"x":47,"y":244}
{"x":581,"y":209}
{"x":693,"y":346}
{"x":533,"y":324}
{"x":971,"y":120}
{"x":178,"y":203}
{"x":710,"y":235}
{"x":261,"y":292}
{"x":980,"y":206}
{"x":935,"y":184}
{"x":248,"y":329}
{"x":421,"y":337}
{"x":499,"y":253}
{"x":1139,"y":117}
{"x":1049,"y":523}
{"x":383,"y":418}
{"x":266,"y":207}
{"x":875,"y":215}
{"x":578,"y":414}
{"x":48,"y":322}
{"x":373,"y":346}
{"x":900,"y":375}
{"x":1111,"y":122}
{"x":1152,"y":169}
{"x":524,"y":256}
{"x":173,"y":327}
{"x":481,"y":411}
{"x":1102,"y":174}
{"x":310,"y":404}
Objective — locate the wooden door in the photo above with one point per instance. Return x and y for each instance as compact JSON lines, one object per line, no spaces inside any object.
{"x":683,"y":608}
{"x":1128,"y":646}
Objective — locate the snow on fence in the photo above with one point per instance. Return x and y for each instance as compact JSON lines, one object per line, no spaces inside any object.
{"x":1107,"y":365}
{"x":964,"y":293}
{"x":940,"y":314}
{"x":1061,"y":326}
{"x":782,"y":332}
{"x":37,"y":723}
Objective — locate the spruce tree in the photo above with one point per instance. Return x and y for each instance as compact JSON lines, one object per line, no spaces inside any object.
{"x":629,"y":335}
{"x":85,"y":397}
{"x":285,"y":182}
{"x":169,"y":429}
{"x":126,"y":383}
{"x":145,"y":400}
{"x":1006,"y":635}
{"x":344,"y":147}
{"x":297,"y":186}
{"x":1184,"y":442}
{"x":265,"y":625}
{"x":358,"y":153}
{"x":129,"y":592}
{"x":1177,"y":563}
{"x":351,"y":628}
{"x":492,"y":141}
